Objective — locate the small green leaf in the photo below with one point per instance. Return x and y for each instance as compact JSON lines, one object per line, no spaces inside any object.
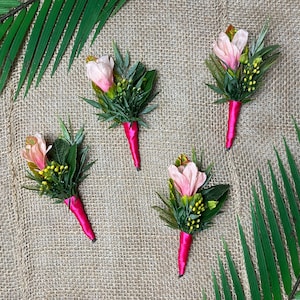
{"x":93,"y":103}
{"x":261,"y":259}
{"x":71,"y":161}
{"x":253,"y":284}
{"x":216,"y":287}
{"x":224,"y":280}
{"x":59,"y":151}
{"x":234,"y":275}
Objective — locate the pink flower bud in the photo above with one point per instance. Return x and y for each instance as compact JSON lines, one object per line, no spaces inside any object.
{"x":101,"y":72}
{"x":35,"y":151}
{"x":229,"y":52}
{"x":187,"y":179}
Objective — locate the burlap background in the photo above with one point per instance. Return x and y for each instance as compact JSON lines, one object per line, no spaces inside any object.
{"x":45,"y":255}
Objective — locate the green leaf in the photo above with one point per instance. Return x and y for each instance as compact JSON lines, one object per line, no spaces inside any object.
{"x":10,"y":37}
{"x":216,"y":287}
{"x":267,"y":246}
{"x":234,"y":275}
{"x":88,"y":20}
{"x":56,"y":35}
{"x":65,"y":132}
{"x":32,"y":43}
{"x":297,"y":296}
{"x":261,"y":260}
{"x":279,"y":247}
{"x":59,"y":151}
{"x":148,"y":109}
{"x":286,"y":223}
{"x":293,"y":167}
{"x":290,"y":196}
{"x":94,"y":103}
{"x":4,"y":26}
{"x":253,"y":284}
{"x":225,"y":284}
{"x":71,"y":161}
{"x":79,"y":7}
{"x":43,"y":41}
{"x":103,"y":16}
{"x":216,"y":193}
{"x":16,"y":44}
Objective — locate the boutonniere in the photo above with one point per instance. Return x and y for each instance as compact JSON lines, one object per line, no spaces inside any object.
{"x":191,"y":205}
{"x":239,"y":70}
{"x":123,"y":93}
{"x":59,"y":169}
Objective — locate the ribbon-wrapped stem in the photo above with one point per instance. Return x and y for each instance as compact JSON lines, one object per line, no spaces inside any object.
{"x":132,"y":130}
{"x":233,"y":115}
{"x":75,"y":205}
{"x":185,"y":242}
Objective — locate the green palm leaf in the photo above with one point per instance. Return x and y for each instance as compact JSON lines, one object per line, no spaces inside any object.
{"x":276,"y":239}
{"x":55,"y":23}
{"x":7,"y":5}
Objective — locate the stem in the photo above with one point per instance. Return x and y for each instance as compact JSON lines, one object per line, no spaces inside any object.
{"x":295,"y":288}
{"x":15,"y":10}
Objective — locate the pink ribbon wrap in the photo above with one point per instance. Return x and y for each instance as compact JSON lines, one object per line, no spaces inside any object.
{"x":186,"y":240}
{"x":132,"y":131}
{"x":233,"y":115}
{"x":75,"y":205}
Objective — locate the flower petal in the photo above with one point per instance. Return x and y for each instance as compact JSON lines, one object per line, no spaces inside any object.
{"x":240,"y":40}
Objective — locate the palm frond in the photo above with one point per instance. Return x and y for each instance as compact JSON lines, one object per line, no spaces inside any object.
{"x":275,"y":273}
{"x":51,"y":25}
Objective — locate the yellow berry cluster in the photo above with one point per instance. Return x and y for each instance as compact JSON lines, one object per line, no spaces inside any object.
{"x":52,"y":170}
{"x":250,"y":72}
{"x":122,"y":85}
{"x":196,"y":209}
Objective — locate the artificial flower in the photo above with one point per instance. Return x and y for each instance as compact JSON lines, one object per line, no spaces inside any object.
{"x":35,"y":152}
{"x":100,"y":71}
{"x":60,"y":171}
{"x":190,"y":206}
{"x":238,"y":70}
{"x":125,"y":97}
{"x":229,"y":52}
{"x":187,"y":179}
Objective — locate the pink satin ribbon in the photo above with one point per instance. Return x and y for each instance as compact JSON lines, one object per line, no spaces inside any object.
{"x":132,"y":131}
{"x":75,"y":205}
{"x":234,"y":111}
{"x":186,"y":240}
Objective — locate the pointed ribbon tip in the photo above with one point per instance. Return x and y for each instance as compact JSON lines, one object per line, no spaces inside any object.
{"x":132,"y":131}
{"x":75,"y":205}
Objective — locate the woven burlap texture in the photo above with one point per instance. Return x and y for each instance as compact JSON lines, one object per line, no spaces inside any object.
{"x":45,"y":255}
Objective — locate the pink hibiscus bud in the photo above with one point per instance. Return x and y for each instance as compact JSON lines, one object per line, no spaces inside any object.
{"x":35,"y":151}
{"x":187,"y":178}
{"x":229,"y":52}
{"x":100,"y":71}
